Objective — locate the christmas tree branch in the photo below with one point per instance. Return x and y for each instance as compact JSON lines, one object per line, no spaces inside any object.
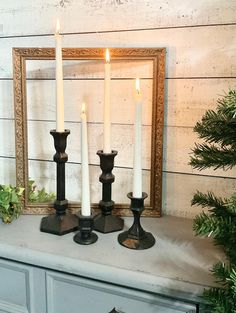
{"x":206,"y":156}
{"x":222,"y":300}
{"x":227,"y":103}
{"x":219,"y":206}
{"x":208,"y":199}
{"x":218,"y":129}
{"x":215,"y":128}
{"x":220,"y":126}
{"x":222,"y":272}
{"x":206,"y":225}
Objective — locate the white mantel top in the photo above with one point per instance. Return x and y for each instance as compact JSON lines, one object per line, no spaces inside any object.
{"x":178,"y":265}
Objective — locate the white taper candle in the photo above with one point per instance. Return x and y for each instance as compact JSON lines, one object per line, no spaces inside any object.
{"x":107,"y":120}
{"x":85,"y":192}
{"x":137,"y":171}
{"x":59,"y":82}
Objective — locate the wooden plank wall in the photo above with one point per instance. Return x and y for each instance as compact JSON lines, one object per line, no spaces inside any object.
{"x":201,"y":65}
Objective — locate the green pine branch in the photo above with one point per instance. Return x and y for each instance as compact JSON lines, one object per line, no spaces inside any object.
{"x":220,"y":126}
{"x":218,"y":205}
{"x":231,"y":205}
{"x":222,"y":300}
{"x":227,"y":103}
{"x":218,"y":129}
{"x":206,"y":156}
{"x":222,"y":229}
{"x":206,"y":225}
{"x":219,"y":227}
{"x":220,"y":222}
{"x":222,"y":207}
{"x":232,"y":279}
{"x":222,"y":272}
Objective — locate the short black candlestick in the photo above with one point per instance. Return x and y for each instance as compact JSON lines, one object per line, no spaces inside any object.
{"x":106,"y":222}
{"x":85,"y":236}
{"x":136,"y":237}
{"x":61,"y":222}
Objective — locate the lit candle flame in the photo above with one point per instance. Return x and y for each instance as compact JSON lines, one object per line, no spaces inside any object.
{"x":107,"y":56}
{"x":83,"y":109}
{"x":137,"y":85}
{"x":57,"y":26}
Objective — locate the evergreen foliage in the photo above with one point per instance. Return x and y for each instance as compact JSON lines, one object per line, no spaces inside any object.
{"x":217,"y":129}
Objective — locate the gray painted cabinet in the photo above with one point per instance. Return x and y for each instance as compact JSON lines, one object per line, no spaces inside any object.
{"x":29,"y":289}
{"x":43,"y":273}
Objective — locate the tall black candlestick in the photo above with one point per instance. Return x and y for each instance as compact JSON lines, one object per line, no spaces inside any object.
{"x":106,"y":222}
{"x":61,"y":222}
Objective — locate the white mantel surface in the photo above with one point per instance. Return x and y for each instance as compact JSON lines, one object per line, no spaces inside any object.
{"x":177,"y":266}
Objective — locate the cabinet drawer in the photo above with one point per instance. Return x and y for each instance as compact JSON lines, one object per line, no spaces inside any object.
{"x":22,"y":288}
{"x":67,"y":293}
{"x":14,"y":287}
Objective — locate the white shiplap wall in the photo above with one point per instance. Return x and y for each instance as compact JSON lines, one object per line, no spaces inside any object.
{"x":200,"y":37}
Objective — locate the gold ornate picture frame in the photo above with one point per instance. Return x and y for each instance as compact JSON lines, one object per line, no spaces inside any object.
{"x":155,"y":55}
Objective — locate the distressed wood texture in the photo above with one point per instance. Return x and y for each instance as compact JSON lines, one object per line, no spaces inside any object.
{"x":178,"y":142}
{"x":38,"y":17}
{"x":184,"y":186}
{"x":185,"y":103}
{"x":191,"y":52}
{"x":7,"y":171}
{"x":201,"y":65}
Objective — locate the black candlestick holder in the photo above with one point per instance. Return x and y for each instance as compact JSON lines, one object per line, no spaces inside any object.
{"x":136,"y":237}
{"x":61,"y":222}
{"x":85,"y":236}
{"x":106,"y":222}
